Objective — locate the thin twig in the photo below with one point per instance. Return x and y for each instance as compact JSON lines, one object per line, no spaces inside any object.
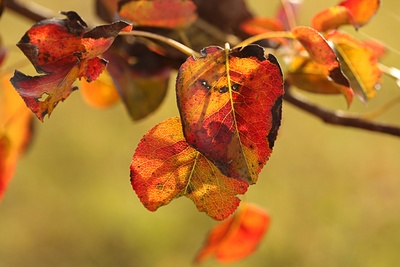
{"x":30,"y":10}
{"x":338,"y":117}
{"x":181,"y":47}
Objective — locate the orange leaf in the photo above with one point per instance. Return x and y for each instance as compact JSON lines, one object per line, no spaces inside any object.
{"x":320,"y":52}
{"x":310,"y":76}
{"x":230,"y":105}
{"x":100,"y":93}
{"x":331,"y":18}
{"x":361,"y":10}
{"x":165,"y":167}
{"x":359,"y":63}
{"x":236,"y":237}
{"x":15,"y":131}
{"x":171,"y":14}
{"x":64,"y":50}
{"x":353,"y":12}
{"x":256,"y":26}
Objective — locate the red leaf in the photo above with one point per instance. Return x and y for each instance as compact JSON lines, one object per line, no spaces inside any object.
{"x":165,"y":167}
{"x":236,"y":237}
{"x":171,"y":14}
{"x":64,"y":50}
{"x":15,"y":132}
{"x":231,"y":109}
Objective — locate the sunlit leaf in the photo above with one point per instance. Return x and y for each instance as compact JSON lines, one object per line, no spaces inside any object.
{"x":63,"y":50}
{"x":376,"y":46}
{"x":100,"y":93}
{"x":312,"y":77}
{"x":350,"y":12}
{"x":165,"y":167}
{"x":331,"y":18}
{"x":320,"y":52}
{"x":359,"y":63}
{"x":15,"y":131}
{"x":171,"y":14}
{"x":236,"y":237}
{"x":231,"y":109}
{"x":361,"y":10}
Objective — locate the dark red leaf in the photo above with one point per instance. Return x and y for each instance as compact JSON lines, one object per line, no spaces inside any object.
{"x":63,"y":50}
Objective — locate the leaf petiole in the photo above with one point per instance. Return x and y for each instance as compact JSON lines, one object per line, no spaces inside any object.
{"x":265,"y":35}
{"x":179,"y":46}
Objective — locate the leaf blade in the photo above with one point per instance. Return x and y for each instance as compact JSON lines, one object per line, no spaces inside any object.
{"x":360,"y":64}
{"x":228,"y":117}
{"x":165,"y":167}
{"x":171,"y":14}
{"x":237,"y":237}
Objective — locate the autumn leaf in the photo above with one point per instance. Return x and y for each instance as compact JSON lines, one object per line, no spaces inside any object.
{"x":349,"y":12}
{"x":171,"y":14}
{"x":308,"y":75}
{"x":361,"y":11}
{"x":165,"y":167}
{"x":63,"y":50}
{"x":143,"y":85}
{"x":320,"y":51}
{"x":359,"y":63}
{"x":236,"y":237}
{"x":256,"y":26}
{"x":100,"y":93}
{"x":15,"y":131}
{"x":230,"y":106}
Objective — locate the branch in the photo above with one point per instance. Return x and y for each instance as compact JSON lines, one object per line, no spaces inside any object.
{"x":338,"y":117}
{"x":29,"y":9}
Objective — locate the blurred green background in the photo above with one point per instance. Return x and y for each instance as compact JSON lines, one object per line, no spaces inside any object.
{"x":333,"y":192}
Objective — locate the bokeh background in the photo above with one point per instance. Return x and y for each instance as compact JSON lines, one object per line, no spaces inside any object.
{"x":333,"y":192}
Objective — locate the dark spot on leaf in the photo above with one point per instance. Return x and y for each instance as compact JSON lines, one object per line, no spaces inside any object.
{"x":160,"y":186}
{"x":205,"y":84}
{"x":236,"y":87}
{"x":251,"y":146}
{"x":223,"y":89}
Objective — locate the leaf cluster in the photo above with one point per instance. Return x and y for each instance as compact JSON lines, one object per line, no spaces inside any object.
{"x":229,"y":99}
